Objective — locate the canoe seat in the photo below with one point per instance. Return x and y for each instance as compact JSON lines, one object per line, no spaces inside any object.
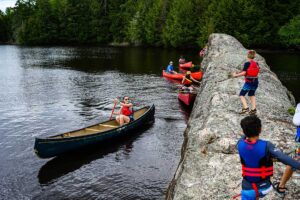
{"x":92,"y":129}
{"x":107,"y":125}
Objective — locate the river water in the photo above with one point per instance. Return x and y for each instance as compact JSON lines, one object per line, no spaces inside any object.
{"x":48,"y":90}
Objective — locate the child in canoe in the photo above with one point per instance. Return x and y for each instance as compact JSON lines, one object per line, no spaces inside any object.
{"x":187,"y":82}
{"x":170,"y":68}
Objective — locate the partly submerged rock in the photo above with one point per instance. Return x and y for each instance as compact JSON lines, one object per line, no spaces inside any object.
{"x":210,"y":166}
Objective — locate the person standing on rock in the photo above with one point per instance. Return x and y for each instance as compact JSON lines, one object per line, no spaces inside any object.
{"x":250,"y":71}
{"x":257,"y":160}
{"x":280,"y":187}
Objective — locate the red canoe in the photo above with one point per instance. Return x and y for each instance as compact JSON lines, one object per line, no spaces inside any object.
{"x":187,"y":98}
{"x":186,"y":66}
{"x":179,"y":76}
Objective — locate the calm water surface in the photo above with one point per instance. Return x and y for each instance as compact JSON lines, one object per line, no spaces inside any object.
{"x":287,"y":67}
{"x":47,"y":90}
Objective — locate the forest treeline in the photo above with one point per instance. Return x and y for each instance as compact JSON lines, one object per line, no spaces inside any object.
{"x":176,"y":23}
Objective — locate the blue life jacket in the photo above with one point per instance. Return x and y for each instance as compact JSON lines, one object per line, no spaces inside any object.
{"x":257,"y":164}
{"x":170,"y":68}
{"x":297,"y":138}
{"x":298,"y":131}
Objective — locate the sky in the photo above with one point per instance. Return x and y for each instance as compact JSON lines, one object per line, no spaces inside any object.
{"x":6,"y":3}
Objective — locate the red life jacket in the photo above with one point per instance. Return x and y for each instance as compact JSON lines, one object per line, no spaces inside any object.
{"x":253,"y":70}
{"x":187,"y":81}
{"x":126,"y":111}
{"x":181,"y":61}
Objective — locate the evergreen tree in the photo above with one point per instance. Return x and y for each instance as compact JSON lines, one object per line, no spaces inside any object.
{"x":290,"y":33}
{"x":182,"y":22}
{"x":154,"y":22}
{"x":3,"y":28}
{"x":177,"y":23}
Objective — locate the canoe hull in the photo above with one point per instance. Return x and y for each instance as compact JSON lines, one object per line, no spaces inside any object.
{"x":186,"y":66}
{"x":195,"y":75}
{"x":187,"y":98}
{"x":50,"y":147}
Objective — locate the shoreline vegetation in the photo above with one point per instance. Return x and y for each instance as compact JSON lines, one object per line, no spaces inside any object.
{"x":157,"y":23}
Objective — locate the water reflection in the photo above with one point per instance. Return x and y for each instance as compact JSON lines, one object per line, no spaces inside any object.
{"x":130,"y":60}
{"x":186,"y":110}
{"x":287,"y":68}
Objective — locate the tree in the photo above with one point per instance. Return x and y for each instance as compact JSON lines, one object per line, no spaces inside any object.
{"x":290,"y":33}
{"x":182,"y":24}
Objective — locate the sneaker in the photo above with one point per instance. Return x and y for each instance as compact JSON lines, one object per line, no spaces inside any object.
{"x":279,"y":190}
{"x":252,"y":112}
{"x":244,"y":111}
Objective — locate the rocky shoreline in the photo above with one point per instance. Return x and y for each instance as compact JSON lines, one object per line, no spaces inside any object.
{"x":209,"y":167}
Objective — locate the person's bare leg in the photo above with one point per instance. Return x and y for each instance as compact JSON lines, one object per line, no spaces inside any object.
{"x":253,"y":102}
{"x":286,"y":176}
{"x":244,"y":102}
{"x":126,"y":119}
{"x":121,"y":120}
{"x":118,"y":119}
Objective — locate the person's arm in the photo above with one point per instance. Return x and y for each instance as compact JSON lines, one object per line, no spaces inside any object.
{"x":296,"y":118}
{"x":194,"y":80}
{"x":183,"y":80}
{"x":279,"y":155}
{"x":243,"y":72}
{"x":117,"y":112}
{"x":173,"y":70}
{"x":126,"y":104}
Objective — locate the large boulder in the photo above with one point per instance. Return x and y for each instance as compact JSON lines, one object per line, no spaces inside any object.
{"x":210,"y":167}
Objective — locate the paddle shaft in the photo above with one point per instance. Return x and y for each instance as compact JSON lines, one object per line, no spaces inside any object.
{"x":113,"y":111}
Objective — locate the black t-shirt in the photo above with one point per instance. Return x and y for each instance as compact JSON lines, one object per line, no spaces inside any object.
{"x":246,"y":66}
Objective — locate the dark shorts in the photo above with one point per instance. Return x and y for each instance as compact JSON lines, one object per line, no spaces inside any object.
{"x":248,"y":193}
{"x":250,"y":88}
{"x":131,"y":118}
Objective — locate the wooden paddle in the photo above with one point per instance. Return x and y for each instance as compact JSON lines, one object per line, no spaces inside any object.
{"x":113,"y":110}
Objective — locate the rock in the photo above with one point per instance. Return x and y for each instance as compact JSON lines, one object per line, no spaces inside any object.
{"x":209,"y":167}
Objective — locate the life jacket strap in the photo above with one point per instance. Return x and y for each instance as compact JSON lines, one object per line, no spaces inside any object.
{"x":254,"y":186}
{"x":251,"y":77}
{"x":262,"y":172}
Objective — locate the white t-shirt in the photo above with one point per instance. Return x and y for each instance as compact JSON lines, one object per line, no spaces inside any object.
{"x":296,"y":118}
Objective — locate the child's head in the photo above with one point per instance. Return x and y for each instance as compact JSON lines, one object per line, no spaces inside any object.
{"x":251,"y":54}
{"x":251,"y":126}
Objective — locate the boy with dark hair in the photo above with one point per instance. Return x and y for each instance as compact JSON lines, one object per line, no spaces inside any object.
{"x":257,"y":160}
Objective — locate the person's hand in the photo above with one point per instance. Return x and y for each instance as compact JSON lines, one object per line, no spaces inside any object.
{"x":233,"y":74}
{"x":116,"y":100}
